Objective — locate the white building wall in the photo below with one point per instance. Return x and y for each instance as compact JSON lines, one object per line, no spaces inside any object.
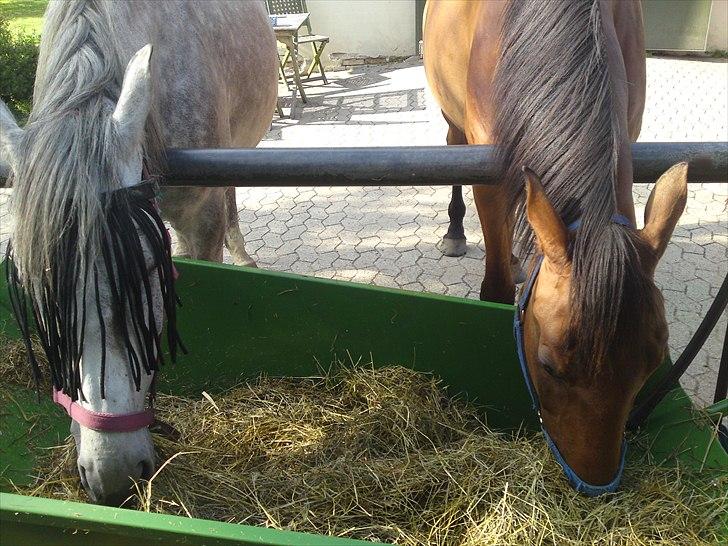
{"x":372,"y":28}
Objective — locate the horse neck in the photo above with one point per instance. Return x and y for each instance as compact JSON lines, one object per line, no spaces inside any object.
{"x":616,"y":62}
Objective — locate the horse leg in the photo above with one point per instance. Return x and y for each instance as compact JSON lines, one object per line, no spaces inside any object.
{"x":453,"y":243}
{"x":498,"y":282}
{"x":234,"y":240}
{"x":198,"y":217}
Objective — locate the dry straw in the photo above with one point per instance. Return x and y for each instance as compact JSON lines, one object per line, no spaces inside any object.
{"x":385,"y":455}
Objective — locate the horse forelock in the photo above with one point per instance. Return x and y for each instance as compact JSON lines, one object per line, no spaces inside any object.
{"x":612,"y":298}
{"x":557,"y":113}
{"x":70,"y":154}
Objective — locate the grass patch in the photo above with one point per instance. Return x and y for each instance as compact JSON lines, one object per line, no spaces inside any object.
{"x":24,"y":16}
{"x":18,"y":61}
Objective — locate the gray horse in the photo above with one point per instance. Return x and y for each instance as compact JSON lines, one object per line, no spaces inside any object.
{"x":198,"y":74}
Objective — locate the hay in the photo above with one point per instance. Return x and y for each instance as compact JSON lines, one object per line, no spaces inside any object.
{"x":14,"y":368}
{"x":385,"y":455}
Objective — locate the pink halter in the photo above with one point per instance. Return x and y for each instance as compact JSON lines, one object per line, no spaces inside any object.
{"x":106,"y":422}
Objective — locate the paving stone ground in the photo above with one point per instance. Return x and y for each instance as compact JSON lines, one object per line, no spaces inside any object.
{"x":389,"y":236}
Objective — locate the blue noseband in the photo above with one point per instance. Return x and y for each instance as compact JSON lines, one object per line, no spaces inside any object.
{"x":575,"y":481}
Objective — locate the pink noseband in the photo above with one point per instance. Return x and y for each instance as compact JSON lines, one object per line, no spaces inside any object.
{"x":106,"y":422}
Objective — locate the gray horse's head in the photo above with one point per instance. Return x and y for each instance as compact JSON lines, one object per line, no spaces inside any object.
{"x":89,"y":260}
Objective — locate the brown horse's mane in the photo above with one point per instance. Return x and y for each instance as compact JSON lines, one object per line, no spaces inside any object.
{"x":557,"y":115}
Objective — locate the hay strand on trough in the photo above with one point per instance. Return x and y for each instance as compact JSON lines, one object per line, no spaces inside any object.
{"x":386,"y":455}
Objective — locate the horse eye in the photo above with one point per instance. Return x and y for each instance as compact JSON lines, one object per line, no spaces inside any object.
{"x":544,"y":359}
{"x":551,"y":370}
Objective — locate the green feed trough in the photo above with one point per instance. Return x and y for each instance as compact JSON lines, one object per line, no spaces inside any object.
{"x":239,"y":321}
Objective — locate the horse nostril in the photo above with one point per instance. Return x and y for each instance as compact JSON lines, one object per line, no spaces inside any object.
{"x":147,"y":469}
{"x":84,"y":482}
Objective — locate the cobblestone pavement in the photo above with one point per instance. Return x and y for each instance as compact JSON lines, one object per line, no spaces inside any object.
{"x":389,"y":236}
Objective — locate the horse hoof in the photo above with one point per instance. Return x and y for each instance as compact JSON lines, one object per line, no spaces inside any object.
{"x":453,"y":247}
{"x":249,"y":262}
{"x":506,"y":296}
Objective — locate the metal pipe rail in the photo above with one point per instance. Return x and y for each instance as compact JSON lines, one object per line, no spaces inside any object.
{"x":405,"y":166}
{"x":400,"y":165}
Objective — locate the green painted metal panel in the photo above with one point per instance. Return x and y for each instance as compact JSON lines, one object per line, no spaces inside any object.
{"x":28,"y":520}
{"x":246,"y":322}
{"x":676,"y":25}
{"x":26,"y":424}
{"x":719,"y":408}
{"x":239,"y":321}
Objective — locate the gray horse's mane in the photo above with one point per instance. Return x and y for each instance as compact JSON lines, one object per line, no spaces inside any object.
{"x":75,"y":230}
{"x":558,"y":115}
{"x":69,"y":150}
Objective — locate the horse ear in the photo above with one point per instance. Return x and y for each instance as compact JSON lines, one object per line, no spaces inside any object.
{"x":130,"y":114}
{"x":664,"y":208}
{"x":550,"y":231}
{"x":10,"y":135}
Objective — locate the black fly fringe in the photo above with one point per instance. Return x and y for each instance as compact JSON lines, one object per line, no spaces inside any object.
{"x":59,"y":307}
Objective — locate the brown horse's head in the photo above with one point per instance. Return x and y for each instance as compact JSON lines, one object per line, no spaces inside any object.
{"x":586,"y":391}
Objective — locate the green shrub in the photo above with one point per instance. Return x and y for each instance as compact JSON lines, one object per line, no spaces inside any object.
{"x":18,"y":59}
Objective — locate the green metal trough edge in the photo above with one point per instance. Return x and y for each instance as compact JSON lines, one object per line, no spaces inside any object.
{"x":30,"y":520}
{"x":246,"y":321}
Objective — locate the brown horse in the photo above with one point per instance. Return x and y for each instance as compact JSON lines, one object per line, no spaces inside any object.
{"x":559,"y":87}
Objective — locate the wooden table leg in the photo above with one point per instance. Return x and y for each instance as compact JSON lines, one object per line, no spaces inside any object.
{"x":288,"y":41}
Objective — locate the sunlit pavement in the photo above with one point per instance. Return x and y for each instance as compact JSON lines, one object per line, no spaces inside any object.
{"x":389,"y":236}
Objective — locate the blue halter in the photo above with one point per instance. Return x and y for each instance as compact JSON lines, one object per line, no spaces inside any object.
{"x":575,"y":481}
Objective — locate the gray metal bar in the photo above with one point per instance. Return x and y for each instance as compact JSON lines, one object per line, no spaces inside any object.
{"x":405,"y":166}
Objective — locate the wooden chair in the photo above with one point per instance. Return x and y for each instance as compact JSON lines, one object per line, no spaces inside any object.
{"x":317,"y":41}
